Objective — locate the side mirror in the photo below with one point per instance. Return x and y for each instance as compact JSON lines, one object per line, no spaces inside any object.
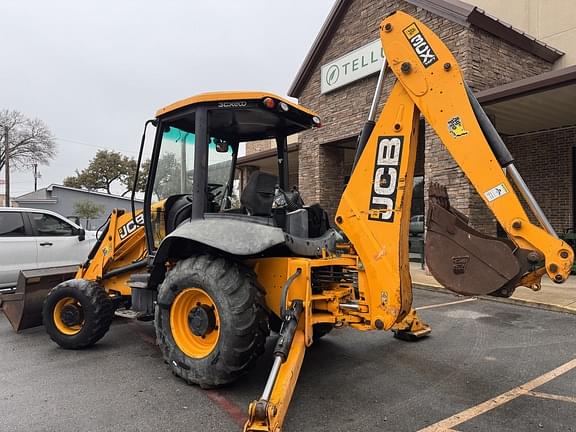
{"x":81,"y":234}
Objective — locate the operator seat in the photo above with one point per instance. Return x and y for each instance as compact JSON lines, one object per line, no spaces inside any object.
{"x":258,"y":194}
{"x":178,"y":209}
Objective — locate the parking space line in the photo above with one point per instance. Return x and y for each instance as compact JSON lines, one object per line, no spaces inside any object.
{"x":475,"y":411}
{"x":446,"y":304}
{"x":552,"y":396}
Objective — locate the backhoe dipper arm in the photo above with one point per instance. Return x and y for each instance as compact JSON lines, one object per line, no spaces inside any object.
{"x":374,"y":210}
{"x":438,"y":89}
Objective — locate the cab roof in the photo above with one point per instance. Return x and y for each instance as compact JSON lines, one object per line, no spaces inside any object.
{"x":242,"y":116}
{"x":229,"y":96}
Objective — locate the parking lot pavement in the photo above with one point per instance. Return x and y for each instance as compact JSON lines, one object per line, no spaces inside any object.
{"x":487,"y":367}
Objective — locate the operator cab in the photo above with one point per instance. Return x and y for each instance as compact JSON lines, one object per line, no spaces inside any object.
{"x":193,"y":167}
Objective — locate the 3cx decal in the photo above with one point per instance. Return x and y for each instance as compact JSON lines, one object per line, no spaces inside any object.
{"x":129,"y":227}
{"x":385,"y":186}
{"x":420,"y":45}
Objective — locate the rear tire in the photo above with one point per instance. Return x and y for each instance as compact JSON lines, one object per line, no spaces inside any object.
{"x":219,"y":320}
{"x":77,"y":313}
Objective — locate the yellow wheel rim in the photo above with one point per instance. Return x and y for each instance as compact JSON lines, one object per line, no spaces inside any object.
{"x":66,"y":329}
{"x":195,"y":322}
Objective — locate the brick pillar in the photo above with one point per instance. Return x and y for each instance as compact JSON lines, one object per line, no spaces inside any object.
{"x":321,"y":175}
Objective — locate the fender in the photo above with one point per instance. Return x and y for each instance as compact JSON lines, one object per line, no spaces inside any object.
{"x":230,"y":235}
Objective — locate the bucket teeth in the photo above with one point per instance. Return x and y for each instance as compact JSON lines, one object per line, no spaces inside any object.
{"x":437,"y":194}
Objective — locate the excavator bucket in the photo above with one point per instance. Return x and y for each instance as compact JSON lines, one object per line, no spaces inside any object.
{"x":23,"y":307}
{"x":462,"y":259}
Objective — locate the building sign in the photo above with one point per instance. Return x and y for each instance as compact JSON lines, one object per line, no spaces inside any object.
{"x":357,"y":64}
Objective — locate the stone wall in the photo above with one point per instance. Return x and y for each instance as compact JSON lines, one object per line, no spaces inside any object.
{"x":259,"y":146}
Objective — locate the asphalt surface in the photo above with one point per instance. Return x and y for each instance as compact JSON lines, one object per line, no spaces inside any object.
{"x":350,"y":381}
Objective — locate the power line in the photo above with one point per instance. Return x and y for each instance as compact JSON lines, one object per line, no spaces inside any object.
{"x":96,"y":146}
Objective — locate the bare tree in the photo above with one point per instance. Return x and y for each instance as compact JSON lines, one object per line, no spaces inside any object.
{"x":29,"y":140}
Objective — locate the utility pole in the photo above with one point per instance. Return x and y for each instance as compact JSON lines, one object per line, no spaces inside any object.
{"x":35,"y":177}
{"x":7,"y":167}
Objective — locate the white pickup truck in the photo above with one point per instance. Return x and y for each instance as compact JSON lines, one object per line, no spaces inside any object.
{"x":35,"y":238}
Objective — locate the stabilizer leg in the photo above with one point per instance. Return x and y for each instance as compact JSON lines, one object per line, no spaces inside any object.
{"x":267,"y":414}
{"x":411,"y":328}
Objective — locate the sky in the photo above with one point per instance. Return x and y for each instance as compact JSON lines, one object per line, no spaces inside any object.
{"x":96,"y":71}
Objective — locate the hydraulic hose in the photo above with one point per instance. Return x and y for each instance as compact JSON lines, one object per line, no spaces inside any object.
{"x":495,"y":142}
{"x":285,"y":288}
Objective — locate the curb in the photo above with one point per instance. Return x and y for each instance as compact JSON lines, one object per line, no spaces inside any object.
{"x":513,"y":301}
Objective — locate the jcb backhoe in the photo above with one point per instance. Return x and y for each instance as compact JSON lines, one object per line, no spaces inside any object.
{"x":216,"y":273}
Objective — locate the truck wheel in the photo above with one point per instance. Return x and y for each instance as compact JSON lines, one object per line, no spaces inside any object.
{"x":210,"y":320}
{"x":77,"y":313}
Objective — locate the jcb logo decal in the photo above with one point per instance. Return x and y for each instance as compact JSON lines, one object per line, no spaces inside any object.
{"x":420,"y":45}
{"x":128,"y":228}
{"x":386,"y":170}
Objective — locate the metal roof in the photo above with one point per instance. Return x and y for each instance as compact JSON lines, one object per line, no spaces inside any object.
{"x":41,"y":195}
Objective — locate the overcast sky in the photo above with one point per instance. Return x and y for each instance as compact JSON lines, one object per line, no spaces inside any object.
{"x":95,"y":71}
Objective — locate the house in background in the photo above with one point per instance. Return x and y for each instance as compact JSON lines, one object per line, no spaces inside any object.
{"x":61,"y":199}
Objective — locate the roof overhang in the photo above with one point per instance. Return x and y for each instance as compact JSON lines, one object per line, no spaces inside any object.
{"x":263,"y":158}
{"x":466,"y":14}
{"x":545,"y":101}
{"x":35,"y":201}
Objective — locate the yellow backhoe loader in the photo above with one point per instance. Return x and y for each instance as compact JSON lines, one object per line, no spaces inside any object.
{"x":216,"y":273}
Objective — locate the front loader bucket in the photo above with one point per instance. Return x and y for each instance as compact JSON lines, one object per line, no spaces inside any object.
{"x":464,"y":260}
{"x":23,"y":307}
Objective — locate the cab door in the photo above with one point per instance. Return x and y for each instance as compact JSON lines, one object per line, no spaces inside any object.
{"x":57,"y":241}
{"x":18,"y":249}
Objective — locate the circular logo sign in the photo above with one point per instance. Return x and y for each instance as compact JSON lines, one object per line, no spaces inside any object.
{"x":332,"y":75}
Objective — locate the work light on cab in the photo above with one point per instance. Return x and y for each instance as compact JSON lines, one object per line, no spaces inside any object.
{"x":269,"y":103}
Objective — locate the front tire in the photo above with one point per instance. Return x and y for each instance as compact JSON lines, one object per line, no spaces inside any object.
{"x":77,"y":313}
{"x":210,"y":320}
